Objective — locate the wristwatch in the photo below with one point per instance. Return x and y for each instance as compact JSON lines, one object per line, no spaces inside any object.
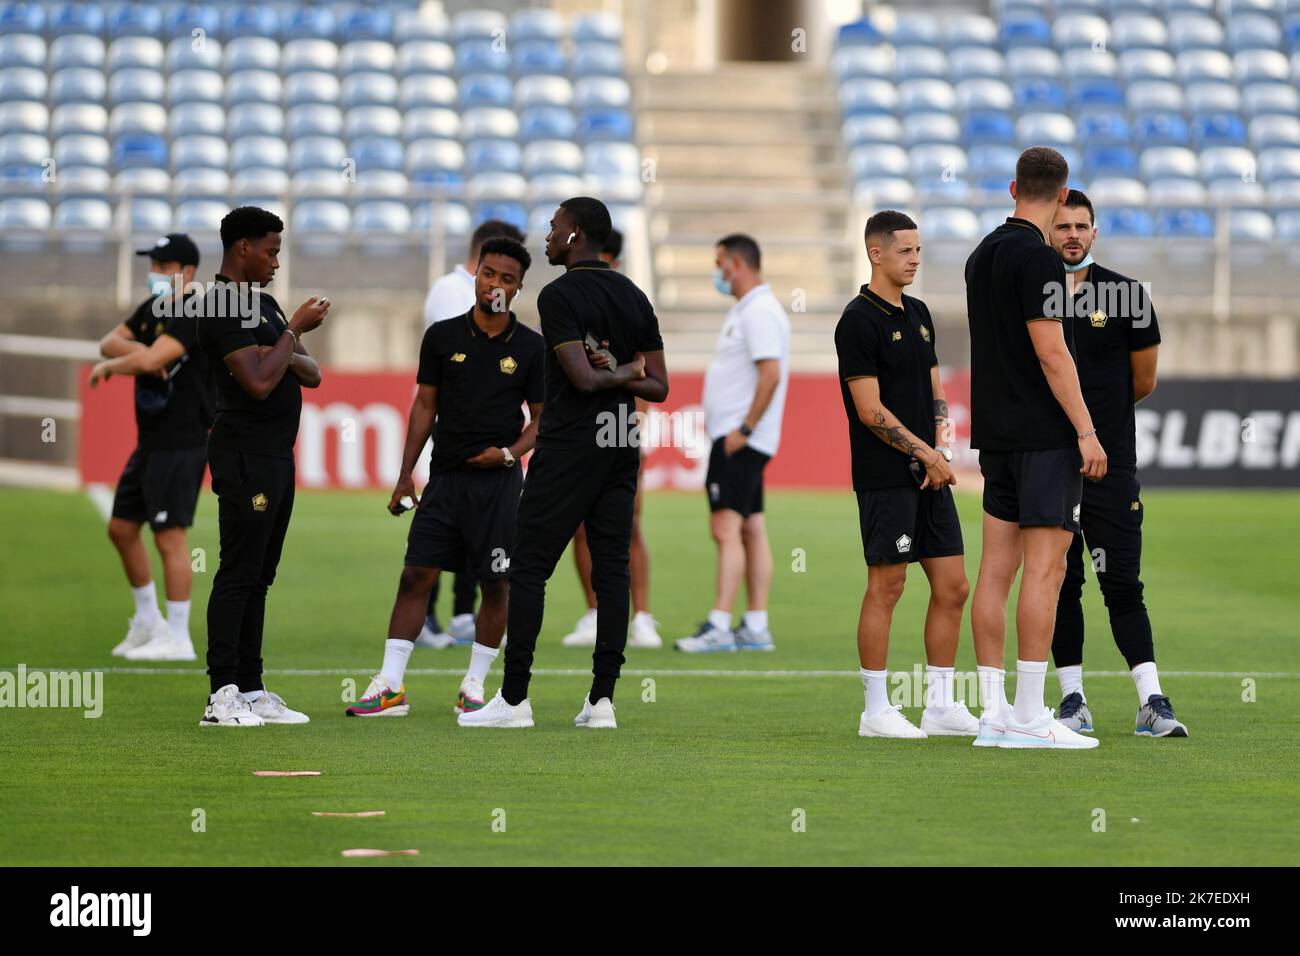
{"x":510,"y":459}
{"x":745,"y":430}
{"x":946,"y":452}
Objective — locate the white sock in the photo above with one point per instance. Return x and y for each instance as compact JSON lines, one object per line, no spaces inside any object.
{"x":1147,"y":680}
{"x":720,"y":619}
{"x":397,"y":651}
{"x":480,"y":661}
{"x":1071,"y":679}
{"x":178,"y":619}
{"x":643,"y":616}
{"x":938,"y":686}
{"x":756,"y":621}
{"x":1030,"y":677}
{"x":993,"y":690}
{"x":146,"y":603}
{"x":460,"y":620}
{"x":874,"y":683}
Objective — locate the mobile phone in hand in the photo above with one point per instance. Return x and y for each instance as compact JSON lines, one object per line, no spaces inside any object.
{"x":593,"y":345}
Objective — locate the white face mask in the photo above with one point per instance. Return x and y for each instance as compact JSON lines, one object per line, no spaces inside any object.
{"x":160,"y":284}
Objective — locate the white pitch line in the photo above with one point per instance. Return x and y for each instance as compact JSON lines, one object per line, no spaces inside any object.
{"x":101,"y":496}
{"x":586,"y":672}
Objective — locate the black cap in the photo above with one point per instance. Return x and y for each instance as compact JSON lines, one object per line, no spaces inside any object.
{"x":173,"y":247}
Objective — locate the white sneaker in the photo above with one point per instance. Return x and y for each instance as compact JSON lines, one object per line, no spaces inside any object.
{"x":889,"y":723}
{"x":707,"y":640}
{"x":597,"y":715}
{"x":165,"y":647}
{"x":645,"y":632}
{"x":992,"y":728}
{"x":438,"y":640}
{"x":139,"y":633}
{"x":584,"y":632}
{"x":497,"y":713}
{"x":1044,"y":732}
{"x":954,"y":720}
{"x":227,"y":708}
{"x":272,"y":709}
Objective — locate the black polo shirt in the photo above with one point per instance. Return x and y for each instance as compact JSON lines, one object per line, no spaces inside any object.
{"x":1113,"y":317}
{"x":591,"y":297}
{"x":175,"y":412}
{"x":483,"y":382}
{"x":232,"y":320}
{"x":1014,"y":277}
{"x":877,"y":339}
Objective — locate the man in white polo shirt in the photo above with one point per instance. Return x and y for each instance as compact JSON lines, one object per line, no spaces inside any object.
{"x":450,"y":297}
{"x":744,"y":397}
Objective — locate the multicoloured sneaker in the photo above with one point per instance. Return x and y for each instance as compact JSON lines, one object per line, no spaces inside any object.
{"x":380,"y":701}
{"x":1074,"y":713}
{"x":469,"y":698}
{"x":1156,"y":719}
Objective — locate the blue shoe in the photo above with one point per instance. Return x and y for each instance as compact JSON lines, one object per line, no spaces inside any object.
{"x":747,"y":640}
{"x":1156,"y":718}
{"x":707,"y":639}
{"x":1074,"y":713}
{"x":462,"y":629}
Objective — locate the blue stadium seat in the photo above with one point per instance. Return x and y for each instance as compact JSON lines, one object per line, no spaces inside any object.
{"x":1261,"y":66}
{"x":1109,"y":161}
{"x":134,"y":53}
{"x":1118,"y":191}
{"x":1103,"y":127}
{"x":871,"y":128}
{"x":135,"y":20}
{"x":1287,"y":226}
{"x":1150,"y":96}
{"x":181,"y":55}
{"x":317,"y":152}
{"x":313,"y":119}
{"x":612,"y":160}
{"x":255,"y":119}
{"x":966,"y":30}
{"x":987,"y":126}
{"x":435,"y":161}
{"x":1045,"y":129}
{"x":378,"y":152}
{"x":25,"y":149}
{"x":325,"y":216}
{"x":1278,"y":163}
{"x":94,"y":215}
{"x":309,"y":23}
{"x":251,"y":152}
{"x":1033,"y":62}
{"x":1096,"y":93}
{"x":132,"y":152}
{"x":511,"y":212}
{"x":1218,"y":129}
{"x":1184,"y":224}
{"x":546,"y":25}
{"x":455,"y":218}
{"x":23,"y":83}
{"x":590,"y":27}
{"x":76,"y":50}
{"x":431,"y":123}
{"x":1268,"y":131}
{"x":850,"y":62}
{"x":137,"y":118}
{"x":1268,"y":99}
{"x":22,"y":49}
{"x":920,"y":63}
{"x":1138,"y":65}
{"x":1237,"y":193}
{"x":265,"y":181}
{"x":251,"y":53}
{"x":546,"y":122}
{"x":372,"y":121}
{"x":949,"y":222}
{"x":311,"y":86}
{"x":73,"y":85}
{"x":481,"y":56}
{"x":1024,"y":29}
{"x":858,"y":33}
{"x":81,"y":149}
{"x":1168,"y":162}
{"x":1177,"y":191}
{"x":76,"y":118}
{"x":83,"y":182}
{"x":195,"y":86}
{"x":993,"y":161}
{"x":250,"y":20}
{"x":318,"y":182}
{"x":1212,"y":96}
{"x":200,"y":216}
{"x":19,"y":215}
{"x":1253,"y":32}
{"x":1121,"y":223}
{"x":537,"y":58}
{"x":485,"y":89}
{"x":594,"y":92}
{"x":493,"y":155}
{"x":143,"y":181}
{"x":253,"y":86}
{"x":885,"y":192}
{"x":911,"y":29}
{"x":926,"y":95}
{"x":922,"y":128}
{"x":427,"y":90}
{"x":1195,"y":31}
{"x":309,"y":54}
{"x":1195,"y":65}
{"x":1037,"y":95}
{"x":1250,"y":225}
{"x":946,"y":163}
{"x":209,"y":151}
{"x":415,"y":57}
{"x":181,"y":20}
{"x":549,"y":156}
{"x":361,"y":56}
{"x":69,"y":18}
{"x":366,"y":23}
{"x":984,"y":94}
{"x":200,"y":182}
{"x":1291,"y":32}
{"x":489,"y":122}
{"x":551,"y":189}
{"x":1138,"y":31}
{"x":189,"y":119}
{"x":868,"y":96}
{"x":136,"y":85}
{"x":146,"y":216}
{"x":24,"y":117}
{"x":1086,"y":64}
{"x":596,"y":59}
{"x":543,"y":91}
{"x":973,"y":62}
{"x":605,"y":125}
{"x":1073,"y":31}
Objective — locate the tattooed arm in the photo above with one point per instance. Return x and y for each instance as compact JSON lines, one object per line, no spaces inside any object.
{"x":942,"y":423}
{"x":885,"y":425}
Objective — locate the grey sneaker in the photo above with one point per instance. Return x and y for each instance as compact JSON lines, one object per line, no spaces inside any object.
{"x":1156,"y":719}
{"x":1074,"y":713}
{"x":707,"y":640}
{"x":747,"y":640}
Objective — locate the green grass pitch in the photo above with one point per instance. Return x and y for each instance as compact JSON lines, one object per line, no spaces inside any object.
{"x":716,"y":769}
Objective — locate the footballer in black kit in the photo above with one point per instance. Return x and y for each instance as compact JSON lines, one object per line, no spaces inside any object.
{"x":161,"y":482}
{"x":1116,"y":336}
{"x":604,"y":350}
{"x":477,"y":372}
{"x":261,"y":368}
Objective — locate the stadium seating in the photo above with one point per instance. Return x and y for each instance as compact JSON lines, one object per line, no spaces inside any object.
{"x":1168,"y":110}
{"x":370,"y":112}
